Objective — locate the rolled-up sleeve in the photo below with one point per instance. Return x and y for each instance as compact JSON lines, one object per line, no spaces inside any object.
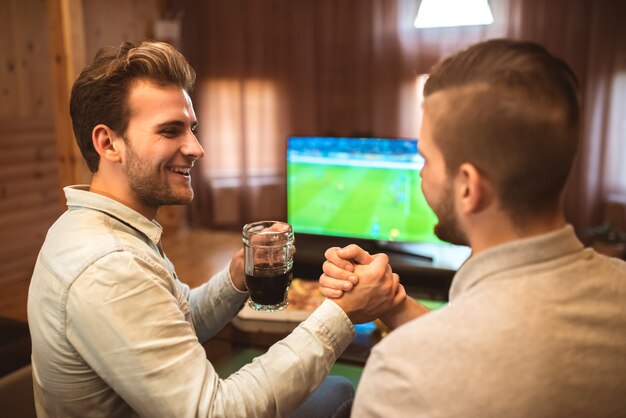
{"x":213,"y":304}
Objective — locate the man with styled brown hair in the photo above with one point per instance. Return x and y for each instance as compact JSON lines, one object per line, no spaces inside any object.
{"x":115,"y":333}
{"x":536,"y":323}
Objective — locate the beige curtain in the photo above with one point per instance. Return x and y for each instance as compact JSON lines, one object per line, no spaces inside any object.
{"x":268,"y":69}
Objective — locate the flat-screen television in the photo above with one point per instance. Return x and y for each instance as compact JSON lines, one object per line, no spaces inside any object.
{"x":365,"y":188}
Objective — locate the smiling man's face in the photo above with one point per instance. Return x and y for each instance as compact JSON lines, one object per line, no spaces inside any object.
{"x":160,"y":145}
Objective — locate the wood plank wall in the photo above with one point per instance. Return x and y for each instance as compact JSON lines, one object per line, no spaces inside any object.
{"x":29,"y":168}
{"x":28,"y":195}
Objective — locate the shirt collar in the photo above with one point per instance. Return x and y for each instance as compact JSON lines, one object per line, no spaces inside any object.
{"x":80,"y":196}
{"x":510,"y":255}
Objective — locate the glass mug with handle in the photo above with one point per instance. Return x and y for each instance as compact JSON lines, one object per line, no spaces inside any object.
{"x":268,"y":263}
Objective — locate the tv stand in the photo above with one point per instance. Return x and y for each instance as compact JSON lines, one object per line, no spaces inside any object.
{"x":446,"y":257}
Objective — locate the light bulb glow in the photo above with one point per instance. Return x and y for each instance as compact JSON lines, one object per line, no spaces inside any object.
{"x":446,"y":13}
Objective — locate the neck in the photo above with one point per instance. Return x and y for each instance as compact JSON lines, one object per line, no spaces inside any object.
{"x":119,"y":191}
{"x":499,"y":228}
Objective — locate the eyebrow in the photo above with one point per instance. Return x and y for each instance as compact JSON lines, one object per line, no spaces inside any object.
{"x":175,"y":124}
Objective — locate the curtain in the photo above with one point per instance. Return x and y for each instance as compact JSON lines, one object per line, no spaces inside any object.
{"x":600,"y":175}
{"x":268,"y":69}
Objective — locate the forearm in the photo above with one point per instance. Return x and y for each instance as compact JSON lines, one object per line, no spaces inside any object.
{"x":403,"y":313}
{"x":214,"y":304}
{"x":277,"y":382}
{"x":148,"y":354}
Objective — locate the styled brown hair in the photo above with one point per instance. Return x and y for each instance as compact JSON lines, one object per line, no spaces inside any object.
{"x":100,"y":94}
{"x":512,"y":110}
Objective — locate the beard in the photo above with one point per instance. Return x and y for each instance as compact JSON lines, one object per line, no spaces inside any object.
{"x":148,"y":186}
{"x":448,"y":228}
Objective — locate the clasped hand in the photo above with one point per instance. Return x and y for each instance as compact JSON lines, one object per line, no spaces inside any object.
{"x":363,"y":285}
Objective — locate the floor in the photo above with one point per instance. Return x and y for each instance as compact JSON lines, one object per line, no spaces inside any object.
{"x":197,"y":254}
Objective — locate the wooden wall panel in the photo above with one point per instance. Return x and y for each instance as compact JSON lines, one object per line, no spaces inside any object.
{"x":28,"y":204}
{"x":25,"y":77}
{"x":113,"y":21}
{"x":30,"y":187}
{"x":67,"y":45}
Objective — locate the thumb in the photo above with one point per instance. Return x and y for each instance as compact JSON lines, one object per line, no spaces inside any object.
{"x":356,"y":253}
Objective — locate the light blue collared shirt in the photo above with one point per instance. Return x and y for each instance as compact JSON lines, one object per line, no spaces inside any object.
{"x":116,"y":334}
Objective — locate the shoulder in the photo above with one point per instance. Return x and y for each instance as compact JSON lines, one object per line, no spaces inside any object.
{"x":420,"y":334}
{"x":612,"y":265}
{"x":84,"y":240}
{"x":443,"y":342}
{"x":419,"y":367}
{"x":122,"y":271}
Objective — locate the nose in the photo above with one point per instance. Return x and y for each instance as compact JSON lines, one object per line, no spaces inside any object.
{"x":191,"y":147}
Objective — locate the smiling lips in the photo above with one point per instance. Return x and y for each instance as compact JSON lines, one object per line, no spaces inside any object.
{"x":183,"y":171}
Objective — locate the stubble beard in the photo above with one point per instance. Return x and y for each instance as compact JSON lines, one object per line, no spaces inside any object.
{"x":148,"y":186}
{"x":448,"y":228}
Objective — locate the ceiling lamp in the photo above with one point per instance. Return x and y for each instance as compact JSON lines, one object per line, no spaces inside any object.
{"x":446,"y":13}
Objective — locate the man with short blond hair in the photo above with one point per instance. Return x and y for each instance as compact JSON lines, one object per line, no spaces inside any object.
{"x":536,"y":323}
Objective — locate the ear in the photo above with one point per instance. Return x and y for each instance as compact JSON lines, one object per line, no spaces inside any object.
{"x":107,"y":143}
{"x":473,"y":189}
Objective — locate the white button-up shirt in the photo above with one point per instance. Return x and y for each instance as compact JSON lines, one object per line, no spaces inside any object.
{"x":116,"y":334}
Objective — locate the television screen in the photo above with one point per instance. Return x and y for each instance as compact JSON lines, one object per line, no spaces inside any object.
{"x":367,"y":188}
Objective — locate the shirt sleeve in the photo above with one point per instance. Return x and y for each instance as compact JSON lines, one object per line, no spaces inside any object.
{"x":126,"y":323}
{"x":213,"y":304}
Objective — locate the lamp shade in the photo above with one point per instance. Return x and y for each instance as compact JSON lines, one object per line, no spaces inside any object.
{"x":446,"y":13}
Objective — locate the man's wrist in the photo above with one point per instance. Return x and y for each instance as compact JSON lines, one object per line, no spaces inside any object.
{"x":336,"y":307}
{"x":408,"y":310}
{"x":238,"y":285}
{"x":340,"y":302}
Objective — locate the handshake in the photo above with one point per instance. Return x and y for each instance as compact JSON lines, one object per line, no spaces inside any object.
{"x":365,"y":287}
